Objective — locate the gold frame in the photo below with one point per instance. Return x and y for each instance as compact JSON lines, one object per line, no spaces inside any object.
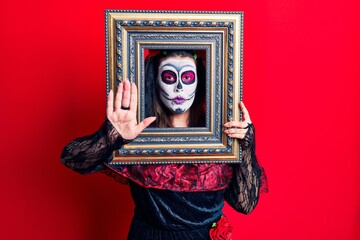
{"x":220,"y":34}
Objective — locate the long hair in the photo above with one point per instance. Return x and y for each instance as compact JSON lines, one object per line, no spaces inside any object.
{"x":155,"y":107}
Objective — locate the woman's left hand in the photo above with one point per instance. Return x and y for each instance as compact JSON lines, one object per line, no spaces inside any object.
{"x":238,"y":129}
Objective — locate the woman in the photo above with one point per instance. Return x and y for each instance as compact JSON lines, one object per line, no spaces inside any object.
{"x":172,"y":201}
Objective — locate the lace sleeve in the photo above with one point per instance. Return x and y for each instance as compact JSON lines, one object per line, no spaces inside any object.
{"x":87,"y":154}
{"x":248,"y":179}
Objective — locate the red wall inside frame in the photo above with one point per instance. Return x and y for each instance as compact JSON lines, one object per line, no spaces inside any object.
{"x":301,"y":86}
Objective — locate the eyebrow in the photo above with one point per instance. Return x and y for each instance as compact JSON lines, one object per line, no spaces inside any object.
{"x":178,"y":68}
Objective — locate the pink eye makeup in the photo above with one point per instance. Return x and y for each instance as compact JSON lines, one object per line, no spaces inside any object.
{"x":168,"y":77}
{"x":188,"y":77}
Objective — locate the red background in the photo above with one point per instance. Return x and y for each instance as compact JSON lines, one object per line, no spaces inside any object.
{"x":301,"y":86}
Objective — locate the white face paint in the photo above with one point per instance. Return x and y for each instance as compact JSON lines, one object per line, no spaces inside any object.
{"x":177,"y":81}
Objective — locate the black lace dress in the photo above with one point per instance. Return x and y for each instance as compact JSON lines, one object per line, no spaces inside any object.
{"x":172,"y":201}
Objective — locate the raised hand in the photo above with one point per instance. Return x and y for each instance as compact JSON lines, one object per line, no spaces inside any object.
{"x":238,"y":129}
{"x":123,"y":115}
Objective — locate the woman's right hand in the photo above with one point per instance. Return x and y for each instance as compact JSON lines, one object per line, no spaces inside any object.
{"x":123,"y":114}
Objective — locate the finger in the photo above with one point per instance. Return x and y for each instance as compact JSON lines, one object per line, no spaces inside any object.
{"x":237,"y":135}
{"x":144,"y":124}
{"x":235,"y":130}
{"x":245,"y":112}
{"x":133,"y":98}
{"x":110,"y":104}
{"x":237,"y":124}
{"x":118,"y":96}
{"x":126,"y":94}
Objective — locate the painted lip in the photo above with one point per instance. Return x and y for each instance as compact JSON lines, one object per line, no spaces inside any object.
{"x":179,"y":100}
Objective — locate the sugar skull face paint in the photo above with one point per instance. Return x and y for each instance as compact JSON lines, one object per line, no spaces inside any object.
{"x":177,"y":81}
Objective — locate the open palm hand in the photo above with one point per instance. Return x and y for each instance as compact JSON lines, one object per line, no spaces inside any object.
{"x":122,"y":112}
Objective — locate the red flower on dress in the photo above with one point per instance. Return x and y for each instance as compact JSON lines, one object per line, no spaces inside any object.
{"x":222,"y":230}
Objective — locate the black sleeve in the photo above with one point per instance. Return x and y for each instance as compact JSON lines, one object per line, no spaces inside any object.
{"x":87,"y":154}
{"x":243,"y":192}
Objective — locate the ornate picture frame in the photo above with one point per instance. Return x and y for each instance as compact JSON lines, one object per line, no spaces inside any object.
{"x":218,"y":37}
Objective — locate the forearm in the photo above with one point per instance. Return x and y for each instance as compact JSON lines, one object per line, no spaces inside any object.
{"x":243,"y":191}
{"x":87,"y":154}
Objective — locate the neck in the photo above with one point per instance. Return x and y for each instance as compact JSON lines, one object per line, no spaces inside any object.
{"x":181,"y":119}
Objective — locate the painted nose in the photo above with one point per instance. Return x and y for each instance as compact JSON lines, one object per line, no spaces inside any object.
{"x":179,"y":87}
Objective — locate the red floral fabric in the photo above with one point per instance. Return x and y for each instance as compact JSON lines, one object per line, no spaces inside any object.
{"x":176,"y":177}
{"x":222,"y":230}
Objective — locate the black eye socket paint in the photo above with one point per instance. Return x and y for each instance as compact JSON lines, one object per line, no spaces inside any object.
{"x":188,"y":77}
{"x":168,"y":77}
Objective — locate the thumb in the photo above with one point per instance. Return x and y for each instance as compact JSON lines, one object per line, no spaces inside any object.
{"x":245,"y":113}
{"x":144,"y":124}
